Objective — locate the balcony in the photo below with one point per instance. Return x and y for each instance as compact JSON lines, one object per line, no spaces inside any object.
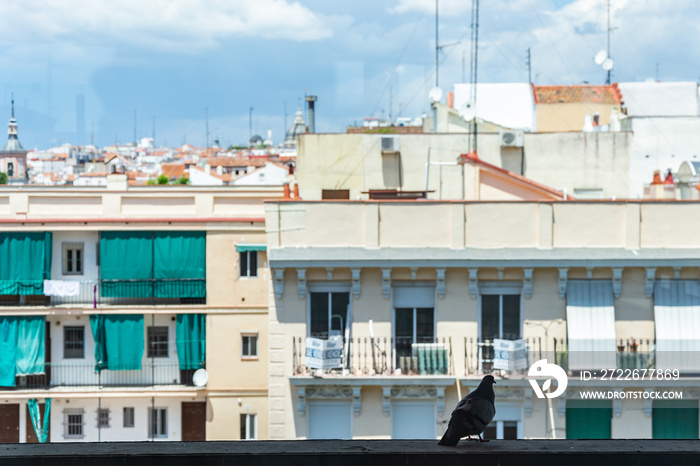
{"x":106,"y":293}
{"x":70,"y":374}
{"x":632,"y":353}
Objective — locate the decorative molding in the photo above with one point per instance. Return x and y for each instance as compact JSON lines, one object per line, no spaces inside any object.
{"x":329,"y":391}
{"x":589,"y":273}
{"x":356,"y":283}
{"x":561,"y":405}
{"x":279,"y":283}
{"x":677,"y":272}
{"x":527,"y":405}
{"x":527,"y":282}
{"x":386,"y":400}
{"x":441,"y":400}
{"x":650,"y":279}
{"x":301,"y":283}
{"x":617,"y":281}
{"x":500,"y":272}
{"x":440,"y":282}
{"x":329,"y":273}
{"x":413,"y":391}
{"x":474,"y":282}
{"x":414,"y":273}
{"x":386,"y":282}
{"x":356,"y":400}
{"x":617,"y":404}
{"x":301,"y":400}
{"x":563,"y":279}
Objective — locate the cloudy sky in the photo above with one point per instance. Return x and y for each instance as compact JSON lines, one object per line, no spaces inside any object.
{"x":86,"y":67}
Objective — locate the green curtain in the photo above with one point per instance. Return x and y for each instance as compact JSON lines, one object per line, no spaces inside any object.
{"x":126,"y":264}
{"x":41,"y":429}
{"x":179,"y":255}
{"x":97,"y":325}
{"x":8,"y":350}
{"x":25,"y":263}
{"x":119,"y":341}
{"x":30,"y":355}
{"x":674,"y":419}
{"x":190,"y":339}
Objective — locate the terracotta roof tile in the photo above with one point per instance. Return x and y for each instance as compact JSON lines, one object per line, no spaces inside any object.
{"x":172,"y":170}
{"x":608,"y":94}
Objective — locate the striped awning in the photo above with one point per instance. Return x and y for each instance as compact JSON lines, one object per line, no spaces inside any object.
{"x":590,"y":323}
{"x":677,"y":322}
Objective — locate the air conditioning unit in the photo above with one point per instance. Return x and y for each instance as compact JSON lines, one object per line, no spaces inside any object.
{"x":389,"y":144}
{"x":511,"y":138}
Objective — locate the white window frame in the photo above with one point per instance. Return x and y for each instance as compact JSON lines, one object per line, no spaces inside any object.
{"x":130,"y":417}
{"x":249,"y":334}
{"x":66,"y":424}
{"x":247,"y":274}
{"x":329,"y":288}
{"x":157,"y":434}
{"x":72,"y":246}
{"x":248,"y":434}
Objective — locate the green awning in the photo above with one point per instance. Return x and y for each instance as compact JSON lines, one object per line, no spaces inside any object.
{"x":119,"y":341}
{"x":588,"y":419}
{"x":8,"y":350}
{"x":22,"y":350}
{"x":190,"y":340}
{"x":25,"y":263}
{"x":179,"y":264}
{"x":243,"y":247}
{"x":144,"y":264}
{"x":674,"y":419}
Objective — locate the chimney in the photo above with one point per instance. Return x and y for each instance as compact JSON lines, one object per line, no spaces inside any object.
{"x":657,"y":178}
{"x":286,"y":190}
{"x":296,"y":191}
{"x":311,"y":102}
{"x":450,"y":99}
{"x":669,"y":178}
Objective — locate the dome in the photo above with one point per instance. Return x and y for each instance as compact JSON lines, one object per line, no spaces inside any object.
{"x":298,"y":127}
{"x":256,"y":140}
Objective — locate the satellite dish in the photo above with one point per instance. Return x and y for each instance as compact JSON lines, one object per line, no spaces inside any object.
{"x":435,"y":94}
{"x":467,"y":111}
{"x":608,"y":64}
{"x":600,"y":57}
{"x":200,"y":378}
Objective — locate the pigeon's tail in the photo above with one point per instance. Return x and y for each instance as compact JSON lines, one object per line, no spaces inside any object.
{"x":450,"y":439}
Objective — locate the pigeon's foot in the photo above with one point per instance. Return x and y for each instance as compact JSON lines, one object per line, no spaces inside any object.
{"x":482,"y":439}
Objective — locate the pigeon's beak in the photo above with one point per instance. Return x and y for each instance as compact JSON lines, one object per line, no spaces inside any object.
{"x":494,"y":381}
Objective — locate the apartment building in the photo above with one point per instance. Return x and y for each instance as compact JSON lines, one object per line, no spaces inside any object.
{"x":111,"y":299}
{"x":408,"y":297}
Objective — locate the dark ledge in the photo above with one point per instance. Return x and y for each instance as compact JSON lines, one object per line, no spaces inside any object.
{"x":358,"y":453}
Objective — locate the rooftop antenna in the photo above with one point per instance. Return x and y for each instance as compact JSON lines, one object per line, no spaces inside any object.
{"x":285,"y":115}
{"x":135,"y":142}
{"x":154,"y":131}
{"x":250,"y":124}
{"x":603,"y":58}
{"x":13,"y":105}
{"x":610,"y":65}
{"x":437,"y":46}
{"x":473,"y":72}
{"x":529,"y":66}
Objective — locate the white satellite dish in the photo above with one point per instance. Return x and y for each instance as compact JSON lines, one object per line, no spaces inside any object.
{"x":435,"y":94}
{"x":608,"y":64}
{"x":467,"y":111}
{"x":600,"y":57}
{"x":200,"y":377}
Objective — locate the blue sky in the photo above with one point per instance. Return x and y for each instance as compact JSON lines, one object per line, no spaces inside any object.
{"x":171,"y":59}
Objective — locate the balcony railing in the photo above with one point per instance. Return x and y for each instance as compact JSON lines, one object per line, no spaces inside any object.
{"x":632,"y":353}
{"x":120,"y":293}
{"x":385,"y":356}
{"x":69,"y":374}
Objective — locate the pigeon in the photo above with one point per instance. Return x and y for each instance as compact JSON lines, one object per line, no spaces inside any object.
{"x":472,"y":414}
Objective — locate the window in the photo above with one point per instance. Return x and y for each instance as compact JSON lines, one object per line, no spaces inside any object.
{"x":500,"y":317}
{"x":72,"y":258}
{"x":128,"y":417}
{"x":328,"y":313}
{"x":502,"y":430}
{"x":157,"y":342}
{"x":73,"y":342}
{"x":249,"y":263}
{"x":73,"y":423}
{"x":103,"y":417}
{"x":158,"y":420}
{"x":249,"y":426}
{"x":335,"y":194}
{"x":249,"y":346}
{"x":414,"y":318}
{"x":10,"y":169}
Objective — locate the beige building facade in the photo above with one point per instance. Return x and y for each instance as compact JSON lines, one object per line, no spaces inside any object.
{"x":421,"y":289}
{"x":85,"y":236}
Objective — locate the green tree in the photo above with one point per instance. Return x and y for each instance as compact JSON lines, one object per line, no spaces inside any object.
{"x":163,"y":179}
{"x":3,"y":178}
{"x":183,"y":180}
{"x":151,"y":182}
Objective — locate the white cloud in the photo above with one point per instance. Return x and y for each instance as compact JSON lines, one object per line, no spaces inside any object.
{"x":160,"y":24}
{"x":445,"y":7}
